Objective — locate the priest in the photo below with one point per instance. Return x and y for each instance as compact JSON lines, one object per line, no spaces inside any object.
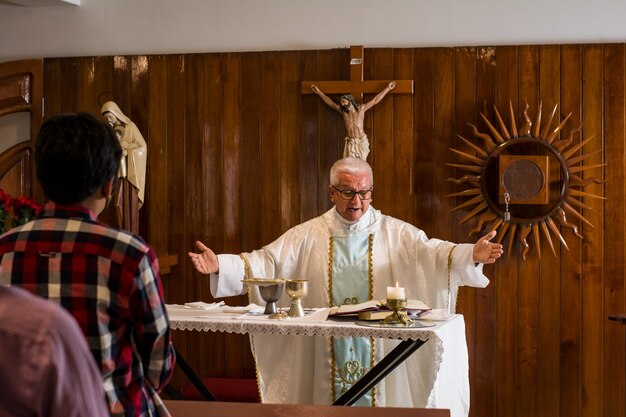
{"x":351,"y":254}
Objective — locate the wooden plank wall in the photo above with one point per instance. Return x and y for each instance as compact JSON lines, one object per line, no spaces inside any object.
{"x":237,"y":156}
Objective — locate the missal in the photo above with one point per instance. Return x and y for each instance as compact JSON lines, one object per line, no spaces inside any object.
{"x":375,"y":308}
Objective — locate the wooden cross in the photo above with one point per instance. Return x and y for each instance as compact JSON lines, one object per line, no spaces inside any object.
{"x":357,"y":86}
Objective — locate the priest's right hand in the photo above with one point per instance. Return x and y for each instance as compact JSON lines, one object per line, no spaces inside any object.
{"x":205,"y":262}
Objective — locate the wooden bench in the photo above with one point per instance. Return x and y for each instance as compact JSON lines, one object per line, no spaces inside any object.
{"x":212,"y":408}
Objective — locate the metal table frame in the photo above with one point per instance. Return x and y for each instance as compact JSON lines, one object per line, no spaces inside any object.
{"x":376,"y":374}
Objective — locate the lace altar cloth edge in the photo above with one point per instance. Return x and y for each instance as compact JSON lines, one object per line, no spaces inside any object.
{"x":230,"y":324}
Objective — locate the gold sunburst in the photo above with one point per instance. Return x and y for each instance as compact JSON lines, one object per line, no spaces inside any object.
{"x":544,"y":171}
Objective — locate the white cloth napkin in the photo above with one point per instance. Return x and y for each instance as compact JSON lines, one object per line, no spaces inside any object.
{"x":242,"y":309}
{"x":201,"y":305}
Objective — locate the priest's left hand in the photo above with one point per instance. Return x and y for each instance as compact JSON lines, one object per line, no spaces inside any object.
{"x":486,"y":252}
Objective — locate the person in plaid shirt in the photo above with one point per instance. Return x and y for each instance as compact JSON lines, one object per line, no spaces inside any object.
{"x":108,"y":279}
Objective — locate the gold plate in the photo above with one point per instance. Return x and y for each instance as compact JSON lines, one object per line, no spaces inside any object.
{"x":263,"y":281}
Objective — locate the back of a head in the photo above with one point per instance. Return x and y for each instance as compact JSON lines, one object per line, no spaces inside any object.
{"x":75,"y":155}
{"x":350,"y":165}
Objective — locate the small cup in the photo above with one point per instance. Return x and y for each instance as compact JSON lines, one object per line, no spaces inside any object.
{"x":297,"y":289}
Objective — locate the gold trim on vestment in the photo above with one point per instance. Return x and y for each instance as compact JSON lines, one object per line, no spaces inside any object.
{"x":370,"y":278}
{"x":449,"y":269}
{"x":330,"y":271}
{"x":333,"y":365}
{"x":256,"y":369}
{"x":246,"y":273}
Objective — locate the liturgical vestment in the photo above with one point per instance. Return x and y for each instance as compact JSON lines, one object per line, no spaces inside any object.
{"x":430,"y":270}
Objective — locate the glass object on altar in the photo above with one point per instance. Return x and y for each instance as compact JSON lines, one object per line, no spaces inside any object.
{"x":297,"y":289}
{"x":270,"y":289}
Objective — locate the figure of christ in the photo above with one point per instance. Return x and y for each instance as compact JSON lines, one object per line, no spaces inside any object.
{"x":357,"y":144}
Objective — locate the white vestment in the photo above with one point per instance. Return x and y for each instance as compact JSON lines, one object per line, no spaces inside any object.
{"x":296,"y":369}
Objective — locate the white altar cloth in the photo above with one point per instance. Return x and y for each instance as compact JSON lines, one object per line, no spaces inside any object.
{"x":447,"y":347}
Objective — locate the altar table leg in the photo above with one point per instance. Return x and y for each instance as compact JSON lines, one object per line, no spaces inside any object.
{"x":379,"y":371}
{"x":193,"y":377}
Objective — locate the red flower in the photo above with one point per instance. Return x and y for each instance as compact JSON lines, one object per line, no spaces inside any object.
{"x":5,"y":199}
{"x":16,"y":211}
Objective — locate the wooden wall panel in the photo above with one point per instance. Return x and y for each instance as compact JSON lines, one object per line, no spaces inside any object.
{"x":464,"y":111}
{"x":443,"y":130}
{"x":270,"y":148}
{"x":570,"y":312}
{"x":237,"y":156}
{"x":191,"y":143}
{"x":330,"y":66}
{"x":251,"y":151}
{"x":289,"y":139}
{"x":506,"y":280}
{"x":380,"y":134}
{"x":615,"y":229}
{"x":402,"y":126}
{"x":309,"y":141}
{"x":592,"y":319}
{"x":424,"y":171}
{"x":484,"y":341}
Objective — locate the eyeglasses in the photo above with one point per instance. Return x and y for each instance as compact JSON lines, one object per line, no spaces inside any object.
{"x":349,"y":194}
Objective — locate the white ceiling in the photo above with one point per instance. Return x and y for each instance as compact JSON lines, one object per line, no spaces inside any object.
{"x":115,"y":27}
{"x":41,"y":3}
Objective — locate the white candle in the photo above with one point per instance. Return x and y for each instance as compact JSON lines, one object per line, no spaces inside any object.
{"x":396,"y":292}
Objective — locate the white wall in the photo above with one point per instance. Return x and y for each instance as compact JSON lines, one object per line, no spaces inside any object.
{"x":109,"y":27}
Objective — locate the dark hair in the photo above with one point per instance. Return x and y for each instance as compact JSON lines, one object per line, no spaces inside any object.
{"x":352,"y":101}
{"x":75,"y":155}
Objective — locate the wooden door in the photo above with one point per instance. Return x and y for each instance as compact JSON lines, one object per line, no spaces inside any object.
{"x":20,"y":118}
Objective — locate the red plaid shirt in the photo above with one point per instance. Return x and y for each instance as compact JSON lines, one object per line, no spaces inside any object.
{"x":109,"y":281}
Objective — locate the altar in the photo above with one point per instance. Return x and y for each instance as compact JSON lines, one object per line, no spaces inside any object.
{"x":443,"y":344}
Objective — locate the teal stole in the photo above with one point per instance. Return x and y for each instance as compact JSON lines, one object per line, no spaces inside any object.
{"x":350,"y":266}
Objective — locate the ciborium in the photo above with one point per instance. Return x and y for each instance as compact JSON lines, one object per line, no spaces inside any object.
{"x":270,"y":290}
{"x":297,"y":289}
{"x":270,"y":294}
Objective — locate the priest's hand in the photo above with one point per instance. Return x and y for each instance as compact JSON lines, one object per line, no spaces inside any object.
{"x":486,"y":252}
{"x":206,"y":261}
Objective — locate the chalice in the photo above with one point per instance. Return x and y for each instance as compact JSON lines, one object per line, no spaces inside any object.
{"x":270,"y":290}
{"x":297,"y":290}
{"x":270,"y":294}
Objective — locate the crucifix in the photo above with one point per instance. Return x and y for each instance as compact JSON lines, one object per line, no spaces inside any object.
{"x":353,"y":113}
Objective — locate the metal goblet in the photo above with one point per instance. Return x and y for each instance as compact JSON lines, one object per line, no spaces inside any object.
{"x":297,"y":290}
{"x":270,"y":294}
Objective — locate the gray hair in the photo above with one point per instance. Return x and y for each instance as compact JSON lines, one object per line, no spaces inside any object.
{"x":350,"y":165}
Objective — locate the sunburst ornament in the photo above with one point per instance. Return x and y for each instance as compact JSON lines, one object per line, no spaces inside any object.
{"x":525,"y":181}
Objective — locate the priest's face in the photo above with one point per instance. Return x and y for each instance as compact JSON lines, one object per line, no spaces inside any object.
{"x":354,"y":208}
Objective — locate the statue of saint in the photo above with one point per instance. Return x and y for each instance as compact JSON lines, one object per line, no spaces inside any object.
{"x":130,"y":188}
{"x":357,"y":144}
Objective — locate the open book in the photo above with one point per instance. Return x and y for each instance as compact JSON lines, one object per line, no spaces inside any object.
{"x":371,"y":306}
